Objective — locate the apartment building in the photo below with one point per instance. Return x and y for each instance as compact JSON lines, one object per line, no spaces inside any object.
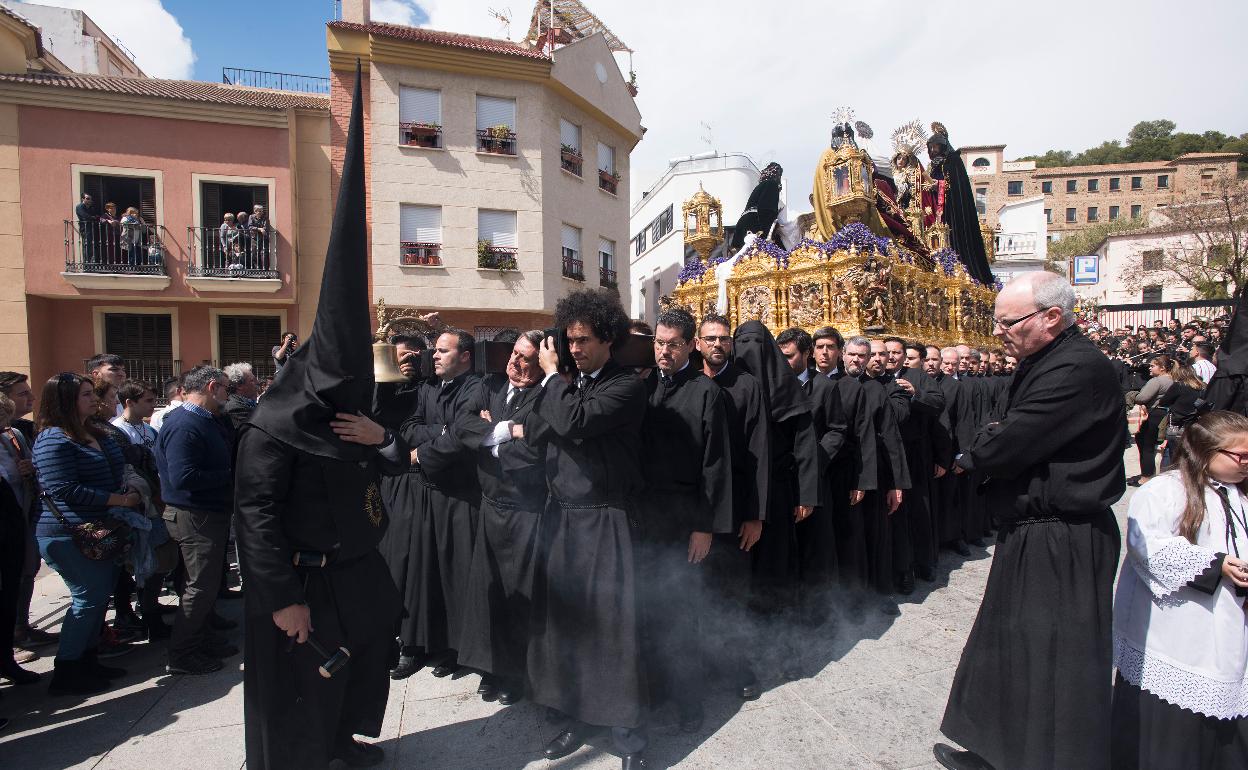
{"x":498,"y":176}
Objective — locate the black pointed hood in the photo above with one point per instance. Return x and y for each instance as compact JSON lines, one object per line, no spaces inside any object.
{"x":333,"y":370}
{"x":756,"y":352}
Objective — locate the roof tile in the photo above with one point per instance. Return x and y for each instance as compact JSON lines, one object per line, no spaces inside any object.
{"x":436,"y":37}
{"x":182,"y":90}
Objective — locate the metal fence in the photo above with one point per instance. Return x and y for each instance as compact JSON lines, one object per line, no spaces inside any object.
{"x":233,"y":252}
{"x":280,"y":81}
{"x":1148,"y":313}
{"x":117,"y":247}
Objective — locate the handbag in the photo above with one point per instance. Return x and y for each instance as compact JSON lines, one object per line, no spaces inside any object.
{"x":103,"y":540}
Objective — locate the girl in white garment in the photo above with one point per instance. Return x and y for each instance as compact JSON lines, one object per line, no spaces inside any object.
{"x":1180,"y":633}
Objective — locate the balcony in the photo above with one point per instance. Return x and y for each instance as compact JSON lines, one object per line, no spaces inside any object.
{"x":492,"y":257}
{"x":420,"y":135}
{"x":107,"y":254}
{"x":233,"y":260}
{"x":609,"y":181}
{"x":571,"y":160}
{"x":280,"y":81}
{"x":496,"y":141}
{"x":607,"y":277}
{"x":416,"y":254}
{"x":573,"y":268}
{"x":1016,"y":245}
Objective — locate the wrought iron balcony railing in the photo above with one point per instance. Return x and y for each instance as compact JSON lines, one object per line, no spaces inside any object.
{"x":573,"y":268}
{"x":233,"y":252}
{"x":607,"y":277}
{"x":496,"y":142}
{"x":280,"y":81}
{"x":416,"y":253}
{"x":112,"y":247}
{"x":571,"y":161}
{"x":608,"y":181}
{"x":420,"y":135}
{"x":497,"y":258}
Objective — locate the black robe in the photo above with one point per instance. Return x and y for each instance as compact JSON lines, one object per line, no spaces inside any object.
{"x":946,"y":503}
{"x":731,"y":638}
{"x":854,"y":468}
{"x":494,"y":637}
{"x":816,"y":536}
{"x":760,"y":213}
{"x":585,"y":651}
{"x":393,"y":404}
{"x":923,"y":442}
{"x":892,"y":472}
{"x":444,"y":529}
{"x":687,"y":465}
{"x":1032,"y":689}
{"x":286,"y":500}
{"x":962,"y":218}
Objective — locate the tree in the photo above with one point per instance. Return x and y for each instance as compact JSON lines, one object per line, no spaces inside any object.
{"x":1085,"y":241}
{"x":1203,"y":244}
{"x":1149,"y":140}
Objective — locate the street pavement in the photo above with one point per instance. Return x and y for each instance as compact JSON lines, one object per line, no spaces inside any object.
{"x":872,"y":696}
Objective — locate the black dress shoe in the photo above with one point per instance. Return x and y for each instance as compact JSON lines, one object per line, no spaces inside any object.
{"x":691,"y":719}
{"x":750,"y":691}
{"x":632,"y":761}
{"x":926,"y":574}
{"x":18,"y":675}
{"x":444,"y":669}
{"x":509,"y":697}
{"x":564,"y":744}
{"x":407,"y":665}
{"x":962,"y":548}
{"x":959,"y":760}
{"x":487,"y":691}
{"x":357,"y":754}
{"x":890,"y":608}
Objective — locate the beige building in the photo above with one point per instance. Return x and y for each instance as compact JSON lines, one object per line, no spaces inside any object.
{"x":498,"y":173}
{"x":1079,"y":196}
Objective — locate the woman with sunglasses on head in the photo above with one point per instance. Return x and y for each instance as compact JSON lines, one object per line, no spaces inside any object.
{"x":81,"y":471}
{"x":1180,"y":638}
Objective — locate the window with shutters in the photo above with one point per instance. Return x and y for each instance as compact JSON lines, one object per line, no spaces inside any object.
{"x":496,"y":240}
{"x":570,"y":158}
{"x":573,"y":265}
{"x":607,"y":178}
{"x":496,"y":125}
{"x":420,"y":235}
{"x":420,"y":117}
{"x":238,"y":246}
{"x":144,"y":342}
{"x":110,"y":241}
{"x":249,"y":339}
{"x":606,"y":263}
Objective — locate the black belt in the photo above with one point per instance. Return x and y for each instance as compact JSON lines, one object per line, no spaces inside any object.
{"x":1081,"y":518}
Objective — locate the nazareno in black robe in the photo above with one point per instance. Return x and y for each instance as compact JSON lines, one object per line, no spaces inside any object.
{"x":584,"y":654}
{"x":687,"y":466}
{"x":853,"y":469}
{"x":946,"y":504}
{"x":393,"y":404}
{"x":921,"y":439}
{"x":494,"y":637}
{"x":444,"y":528}
{"x":892,"y":472}
{"x":816,"y":536}
{"x":1032,"y":689}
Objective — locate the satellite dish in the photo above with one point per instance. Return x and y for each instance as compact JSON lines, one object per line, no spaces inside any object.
{"x":601,"y":72}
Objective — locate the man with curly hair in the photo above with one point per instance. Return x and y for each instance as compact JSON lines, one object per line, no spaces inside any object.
{"x":584,"y":657}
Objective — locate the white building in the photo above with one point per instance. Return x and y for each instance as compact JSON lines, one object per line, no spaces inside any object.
{"x":77,"y":41}
{"x":1124,"y":255}
{"x":1022,"y":243}
{"x":657,"y":251}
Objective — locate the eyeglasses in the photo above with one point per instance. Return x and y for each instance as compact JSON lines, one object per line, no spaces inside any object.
{"x":673,"y":345}
{"x":1006,"y":324}
{"x":711,"y":339}
{"x":1239,"y":457}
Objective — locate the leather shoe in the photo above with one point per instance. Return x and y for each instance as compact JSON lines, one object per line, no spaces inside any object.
{"x":357,"y":754}
{"x":890,"y":608}
{"x":563,"y":744}
{"x":18,"y":675}
{"x":633,"y":761}
{"x":444,"y":669}
{"x":487,"y":691}
{"x":691,"y":719}
{"x":408,"y":665}
{"x":978,"y":542}
{"x":959,"y":760}
{"x":508,"y":697}
{"x":750,"y":691}
{"x":961,"y":548}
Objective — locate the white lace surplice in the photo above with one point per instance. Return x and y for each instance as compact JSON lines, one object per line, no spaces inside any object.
{"x":1187,"y":647}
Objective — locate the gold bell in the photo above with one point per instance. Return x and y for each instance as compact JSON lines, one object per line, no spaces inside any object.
{"x":386,"y":363}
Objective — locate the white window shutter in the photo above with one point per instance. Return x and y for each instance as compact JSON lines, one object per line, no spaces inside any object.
{"x":570,"y":134}
{"x":493,"y":111}
{"x":497,"y":227}
{"x":606,"y":158}
{"x":420,"y":105}
{"x":571,"y":238}
{"x":420,"y":224}
{"x":606,"y":253}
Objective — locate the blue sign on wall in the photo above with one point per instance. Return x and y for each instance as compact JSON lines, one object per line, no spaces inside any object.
{"x":1087,"y":270}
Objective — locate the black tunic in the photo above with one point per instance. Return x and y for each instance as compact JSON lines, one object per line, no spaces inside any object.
{"x":892,"y":472}
{"x":854,"y":468}
{"x":687,"y":466}
{"x":585,"y":652}
{"x":287,"y":500}
{"x":393,"y":404}
{"x":495,"y":633}
{"x":445,"y":525}
{"x":946,"y":503}
{"x":1032,"y":689}
{"x":816,"y":535}
{"x":923,"y":442}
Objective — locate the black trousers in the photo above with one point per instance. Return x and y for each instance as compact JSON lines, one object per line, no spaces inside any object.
{"x":201,"y":537}
{"x":1146,"y":440}
{"x":12,"y":561}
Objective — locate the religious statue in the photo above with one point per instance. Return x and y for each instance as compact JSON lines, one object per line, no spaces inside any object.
{"x":950,"y":187}
{"x":762,"y":207}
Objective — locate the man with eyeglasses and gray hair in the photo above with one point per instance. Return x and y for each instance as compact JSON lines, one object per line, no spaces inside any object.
{"x":1033,"y":687}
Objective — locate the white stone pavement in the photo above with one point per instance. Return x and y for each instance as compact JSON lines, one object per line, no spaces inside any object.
{"x":873,"y":697}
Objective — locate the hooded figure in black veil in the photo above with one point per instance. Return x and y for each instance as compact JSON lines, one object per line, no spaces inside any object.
{"x":763,"y":206}
{"x":959,"y":212}
{"x":1228,"y":390}
{"x":794,"y":492}
{"x":309,"y":516}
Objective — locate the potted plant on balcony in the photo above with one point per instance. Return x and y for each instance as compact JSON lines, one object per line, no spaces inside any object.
{"x":631,"y":85}
{"x":498,"y":137}
{"x":423,"y":134}
{"x":608,"y":180}
{"x":570,"y":156}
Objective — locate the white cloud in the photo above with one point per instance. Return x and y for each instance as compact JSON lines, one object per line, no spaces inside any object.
{"x":1065,"y":74}
{"x":160,"y":46}
{"x":395,"y":12}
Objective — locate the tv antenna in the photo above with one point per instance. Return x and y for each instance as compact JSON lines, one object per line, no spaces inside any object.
{"x":504,"y":16}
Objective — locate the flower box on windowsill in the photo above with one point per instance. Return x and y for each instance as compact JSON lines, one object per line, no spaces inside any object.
{"x":496,"y":142}
{"x":427,"y":135}
{"x":413,"y":254}
{"x":608,"y":182}
{"x":571,"y":162}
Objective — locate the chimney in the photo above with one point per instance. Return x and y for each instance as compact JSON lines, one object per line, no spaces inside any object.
{"x":356,"y":11}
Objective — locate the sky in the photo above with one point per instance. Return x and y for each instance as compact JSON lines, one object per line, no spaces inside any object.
{"x":736,"y":76}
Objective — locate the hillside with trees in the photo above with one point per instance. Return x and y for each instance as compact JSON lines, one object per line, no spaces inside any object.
{"x":1149,"y":140}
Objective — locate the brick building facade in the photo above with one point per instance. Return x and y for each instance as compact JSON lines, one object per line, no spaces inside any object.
{"x":1079,"y":196}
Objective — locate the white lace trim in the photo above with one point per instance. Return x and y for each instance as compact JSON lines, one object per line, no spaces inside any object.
{"x":1182,"y":688}
{"x":1172,"y":567}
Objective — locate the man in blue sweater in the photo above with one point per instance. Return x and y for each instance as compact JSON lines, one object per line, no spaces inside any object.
{"x":194,"y":457}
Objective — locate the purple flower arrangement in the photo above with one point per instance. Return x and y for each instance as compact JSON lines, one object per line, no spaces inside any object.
{"x":858,"y":235}
{"x":778,"y":254}
{"x":695,"y":268}
{"x":948,"y":261}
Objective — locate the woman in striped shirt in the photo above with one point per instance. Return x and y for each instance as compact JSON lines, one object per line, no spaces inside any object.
{"x":81,"y":469}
